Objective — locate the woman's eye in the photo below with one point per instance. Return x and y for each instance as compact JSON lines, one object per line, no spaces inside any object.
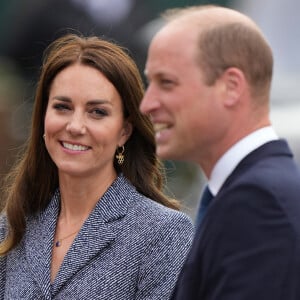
{"x":60,"y":106}
{"x":99,"y":112}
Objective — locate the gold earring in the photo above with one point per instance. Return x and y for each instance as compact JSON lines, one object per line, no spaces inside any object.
{"x":120,"y":155}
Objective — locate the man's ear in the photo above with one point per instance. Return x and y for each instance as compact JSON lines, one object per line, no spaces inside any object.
{"x":235,"y":83}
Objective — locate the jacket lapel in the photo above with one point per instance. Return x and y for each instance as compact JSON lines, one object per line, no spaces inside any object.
{"x":38,"y":245}
{"x":100,"y":230}
{"x":270,"y":149}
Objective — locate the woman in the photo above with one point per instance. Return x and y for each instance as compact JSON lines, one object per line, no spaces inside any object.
{"x":79,"y":222}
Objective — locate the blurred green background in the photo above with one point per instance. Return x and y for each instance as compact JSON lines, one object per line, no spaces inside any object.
{"x":28,"y":26}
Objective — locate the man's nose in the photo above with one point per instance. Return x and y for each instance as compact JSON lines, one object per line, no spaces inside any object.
{"x":150,"y":101}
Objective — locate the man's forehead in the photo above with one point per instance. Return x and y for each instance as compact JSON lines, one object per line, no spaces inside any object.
{"x":173,"y":38}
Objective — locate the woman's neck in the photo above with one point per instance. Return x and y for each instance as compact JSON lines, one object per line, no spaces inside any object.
{"x":80,"y":195}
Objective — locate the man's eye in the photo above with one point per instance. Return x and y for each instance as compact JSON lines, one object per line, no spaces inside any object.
{"x":166,"y":80}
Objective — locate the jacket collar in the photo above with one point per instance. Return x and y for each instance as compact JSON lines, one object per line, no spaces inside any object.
{"x":98,"y":231}
{"x":273,"y":148}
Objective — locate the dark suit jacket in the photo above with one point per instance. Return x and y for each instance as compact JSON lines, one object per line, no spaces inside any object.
{"x":130,"y":247}
{"x":248,"y":246}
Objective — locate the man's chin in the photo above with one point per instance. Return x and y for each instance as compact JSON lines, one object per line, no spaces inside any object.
{"x":164,"y":152}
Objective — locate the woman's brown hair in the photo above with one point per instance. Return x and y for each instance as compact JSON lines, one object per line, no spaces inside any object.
{"x":33,"y":180}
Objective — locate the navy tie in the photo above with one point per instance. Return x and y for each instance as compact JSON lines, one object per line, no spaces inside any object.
{"x":204,"y":203}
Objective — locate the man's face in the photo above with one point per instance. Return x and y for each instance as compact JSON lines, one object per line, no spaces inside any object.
{"x":183,"y":109}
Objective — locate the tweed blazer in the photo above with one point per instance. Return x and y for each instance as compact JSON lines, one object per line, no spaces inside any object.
{"x":130,"y":247}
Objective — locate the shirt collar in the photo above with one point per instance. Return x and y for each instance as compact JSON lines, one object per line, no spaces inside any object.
{"x":231,"y":158}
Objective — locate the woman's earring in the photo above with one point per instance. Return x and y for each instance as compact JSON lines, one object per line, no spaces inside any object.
{"x":120,"y":155}
{"x":44,"y":135}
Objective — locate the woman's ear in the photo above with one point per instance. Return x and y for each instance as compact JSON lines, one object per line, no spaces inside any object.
{"x":126,"y":132}
{"x":235,"y":84}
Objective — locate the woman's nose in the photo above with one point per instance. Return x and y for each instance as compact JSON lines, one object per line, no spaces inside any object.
{"x":76,"y":125}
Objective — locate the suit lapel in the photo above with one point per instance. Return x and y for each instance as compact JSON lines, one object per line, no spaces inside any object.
{"x":269,"y":149}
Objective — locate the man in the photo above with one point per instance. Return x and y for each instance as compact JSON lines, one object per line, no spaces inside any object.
{"x":209,"y":71}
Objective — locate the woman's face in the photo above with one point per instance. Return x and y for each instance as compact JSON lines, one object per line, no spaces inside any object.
{"x":84,"y":122}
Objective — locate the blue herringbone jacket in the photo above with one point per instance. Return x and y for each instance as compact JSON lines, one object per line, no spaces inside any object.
{"x":130,"y":247}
